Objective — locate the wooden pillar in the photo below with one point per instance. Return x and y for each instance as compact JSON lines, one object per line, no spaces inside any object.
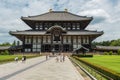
{"x":90,"y":40}
{"x":43,"y":25}
{"x":72,"y":42}
{"x":32,"y":43}
{"x":41,"y":43}
{"x":62,"y":43}
{"x":82,"y":40}
{"x":23,"y":44}
{"x":52,"y":46}
{"x":77,"y":41}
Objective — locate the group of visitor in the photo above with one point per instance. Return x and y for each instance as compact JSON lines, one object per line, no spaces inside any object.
{"x":60,"y":58}
{"x":23,"y":59}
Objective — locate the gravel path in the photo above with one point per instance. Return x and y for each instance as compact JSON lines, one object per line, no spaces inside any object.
{"x":39,"y":69}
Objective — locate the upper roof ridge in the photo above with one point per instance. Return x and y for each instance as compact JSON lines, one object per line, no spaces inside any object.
{"x":57,"y":16}
{"x":57,"y":12}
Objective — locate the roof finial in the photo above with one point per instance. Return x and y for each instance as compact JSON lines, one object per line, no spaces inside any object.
{"x":66,"y":10}
{"x":50,"y":10}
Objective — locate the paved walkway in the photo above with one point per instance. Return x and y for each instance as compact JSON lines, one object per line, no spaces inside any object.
{"x":39,"y":69}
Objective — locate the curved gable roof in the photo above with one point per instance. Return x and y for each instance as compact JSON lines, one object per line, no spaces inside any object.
{"x":57,"y":16}
{"x":56,"y":27}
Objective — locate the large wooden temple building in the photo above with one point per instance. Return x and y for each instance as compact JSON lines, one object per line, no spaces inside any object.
{"x":56,"y":30}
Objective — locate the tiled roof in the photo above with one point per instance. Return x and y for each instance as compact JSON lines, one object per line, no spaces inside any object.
{"x":56,"y":27}
{"x":4,"y":47}
{"x":81,"y":47}
{"x":82,"y":32}
{"x":57,"y":16}
{"x":108,"y":47}
{"x":85,"y":32}
{"x":10,"y":47}
{"x":27,"y":32}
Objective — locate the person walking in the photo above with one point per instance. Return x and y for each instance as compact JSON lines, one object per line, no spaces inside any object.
{"x":16,"y":59}
{"x":23,"y":59}
{"x":46,"y":57}
{"x":57,"y":59}
{"x":63,"y":58}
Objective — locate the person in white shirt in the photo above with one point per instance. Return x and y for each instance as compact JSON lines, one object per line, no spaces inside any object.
{"x":16,"y":59}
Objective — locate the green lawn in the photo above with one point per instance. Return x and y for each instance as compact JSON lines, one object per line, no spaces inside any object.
{"x":109,"y":61}
{"x":4,"y":57}
{"x":8,"y":58}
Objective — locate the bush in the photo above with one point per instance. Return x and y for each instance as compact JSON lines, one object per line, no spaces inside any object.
{"x":110,"y":53}
{"x":82,"y":55}
{"x":106,"y":71}
{"x":106,"y":53}
{"x":118,"y":52}
{"x":2,"y":53}
{"x":6,"y":52}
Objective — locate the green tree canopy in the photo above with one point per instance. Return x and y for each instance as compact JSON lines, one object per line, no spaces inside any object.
{"x":107,"y":43}
{"x":5,"y":44}
{"x":14,"y":43}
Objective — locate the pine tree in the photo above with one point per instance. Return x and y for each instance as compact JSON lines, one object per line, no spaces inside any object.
{"x":14,"y":43}
{"x":18,"y":43}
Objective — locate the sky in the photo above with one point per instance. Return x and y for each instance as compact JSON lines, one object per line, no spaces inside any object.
{"x":106,"y":14}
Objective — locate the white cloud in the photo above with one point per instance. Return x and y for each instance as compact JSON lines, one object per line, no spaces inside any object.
{"x":105,"y":12}
{"x":99,"y":15}
{"x":36,"y":7}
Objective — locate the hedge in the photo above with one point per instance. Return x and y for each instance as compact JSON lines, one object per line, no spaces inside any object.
{"x":6,"y":52}
{"x":118,"y":52}
{"x":101,"y":69}
{"x":82,"y":55}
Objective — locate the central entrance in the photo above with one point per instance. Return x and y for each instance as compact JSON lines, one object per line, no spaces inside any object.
{"x":57,"y":47}
{"x":56,"y":37}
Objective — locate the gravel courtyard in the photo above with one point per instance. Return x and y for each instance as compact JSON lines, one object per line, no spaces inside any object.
{"x":39,"y":69}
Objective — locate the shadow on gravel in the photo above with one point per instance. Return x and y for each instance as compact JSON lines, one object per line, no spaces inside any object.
{"x":19,"y":71}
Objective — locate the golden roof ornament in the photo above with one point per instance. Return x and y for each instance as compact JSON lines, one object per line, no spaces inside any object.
{"x":66,"y":10}
{"x":50,"y":10}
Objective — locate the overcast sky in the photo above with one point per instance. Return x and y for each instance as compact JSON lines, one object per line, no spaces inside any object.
{"x":106,"y":14}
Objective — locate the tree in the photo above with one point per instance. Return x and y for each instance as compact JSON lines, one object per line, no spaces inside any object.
{"x":115,"y":43}
{"x":14,"y":43}
{"x":6,"y":52}
{"x":118,"y":52}
{"x":18,"y":43}
{"x":107,"y":43}
{"x":5,"y":44}
{"x":110,"y":53}
{"x":106,"y":53}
